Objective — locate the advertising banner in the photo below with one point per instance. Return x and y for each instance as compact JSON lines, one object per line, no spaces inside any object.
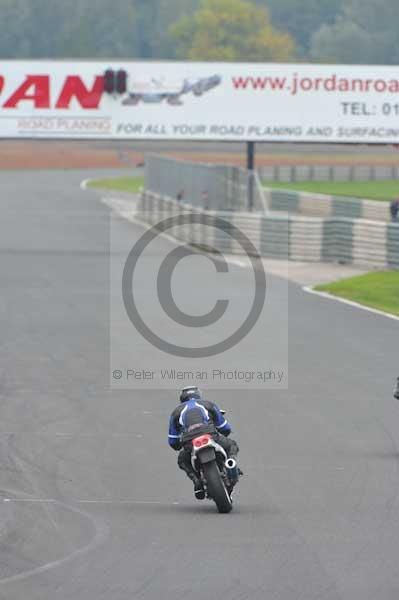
{"x":201,"y":101}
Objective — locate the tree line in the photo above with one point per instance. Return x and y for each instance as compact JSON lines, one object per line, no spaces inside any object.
{"x":344,"y":31}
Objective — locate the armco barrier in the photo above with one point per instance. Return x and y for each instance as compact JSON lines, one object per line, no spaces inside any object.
{"x":323,"y":205}
{"x":332,"y":239}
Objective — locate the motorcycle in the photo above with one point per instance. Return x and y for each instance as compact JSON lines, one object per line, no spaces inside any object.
{"x":218,"y":473}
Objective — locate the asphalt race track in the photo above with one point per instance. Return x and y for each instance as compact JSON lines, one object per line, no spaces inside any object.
{"x":91,"y":504}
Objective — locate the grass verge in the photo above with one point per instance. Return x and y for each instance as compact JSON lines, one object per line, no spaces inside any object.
{"x":374,"y":190}
{"x":379,"y":290}
{"x":120,"y":184}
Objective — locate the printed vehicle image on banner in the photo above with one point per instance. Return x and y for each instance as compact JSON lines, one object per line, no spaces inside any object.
{"x":158,"y":90}
{"x":200,"y":101}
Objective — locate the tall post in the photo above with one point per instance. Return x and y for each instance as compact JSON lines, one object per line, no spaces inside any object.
{"x":251,"y":169}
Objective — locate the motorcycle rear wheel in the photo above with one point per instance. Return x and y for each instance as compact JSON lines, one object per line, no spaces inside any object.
{"x":216,"y":488}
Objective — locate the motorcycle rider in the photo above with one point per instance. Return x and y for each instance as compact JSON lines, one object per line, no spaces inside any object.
{"x":396,"y":390}
{"x":193,"y":417}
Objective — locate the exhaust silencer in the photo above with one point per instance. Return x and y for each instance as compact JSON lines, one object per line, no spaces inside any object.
{"x":232,"y":469}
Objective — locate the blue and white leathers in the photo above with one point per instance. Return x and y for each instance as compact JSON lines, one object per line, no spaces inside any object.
{"x":195,"y":412}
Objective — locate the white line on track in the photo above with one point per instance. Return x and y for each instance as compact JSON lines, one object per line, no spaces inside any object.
{"x":74,"y":435}
{"x":381,"y":313}
{"x":297,"y":468}
{"x":101,"y":533}
{"x":132,"y":217}
{"x":54,"y":501}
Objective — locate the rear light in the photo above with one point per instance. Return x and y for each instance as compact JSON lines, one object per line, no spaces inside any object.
{"x":201,"y":441}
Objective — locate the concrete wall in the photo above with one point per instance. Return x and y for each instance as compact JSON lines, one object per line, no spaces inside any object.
{"x":330,"y":239}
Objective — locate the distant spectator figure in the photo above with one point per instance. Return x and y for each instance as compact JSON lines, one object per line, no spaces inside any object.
{"x":394,"y":210}
{"x":180,"y":195}
{"x":205,"y":200}
{"x":396,"y":390}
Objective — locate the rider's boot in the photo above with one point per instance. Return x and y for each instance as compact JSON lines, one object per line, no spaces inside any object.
{"x":199,"y":491}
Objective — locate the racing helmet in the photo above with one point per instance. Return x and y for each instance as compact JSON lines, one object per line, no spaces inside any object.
{"x":190,"y":392}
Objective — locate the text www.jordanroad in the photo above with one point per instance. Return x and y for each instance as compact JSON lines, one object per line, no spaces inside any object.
{"x":260,"y":83}
{"x":333,"y":83}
